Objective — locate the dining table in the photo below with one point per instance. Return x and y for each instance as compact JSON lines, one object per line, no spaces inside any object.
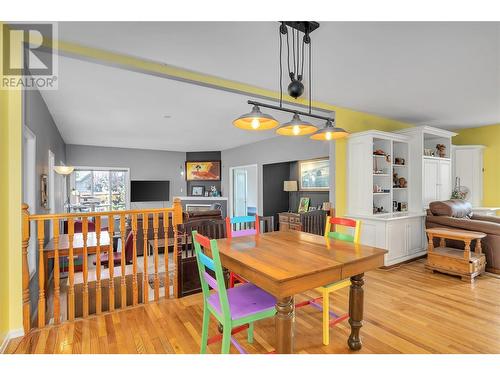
{"x":286,"y":263}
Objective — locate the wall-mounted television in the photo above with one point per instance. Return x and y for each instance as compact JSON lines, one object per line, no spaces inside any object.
{"x":149,"y":191}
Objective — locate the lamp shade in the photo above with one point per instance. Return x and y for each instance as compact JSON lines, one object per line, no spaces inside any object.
{"x":296,"y":127}
{"x":63,"y":169}
{"x":255,"y":120}
{"x":329,"y":133}
{"x":289,"y":185}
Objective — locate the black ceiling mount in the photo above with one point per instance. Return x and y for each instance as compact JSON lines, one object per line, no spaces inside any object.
{"x":306,"y":27}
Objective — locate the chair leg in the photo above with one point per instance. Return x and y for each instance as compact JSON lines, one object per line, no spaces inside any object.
{"x":204,"y":330}
{"x":231,"y":280}
{"x":326,"y":318}
{"x":250,"y":333}
{"x":226,"y":339}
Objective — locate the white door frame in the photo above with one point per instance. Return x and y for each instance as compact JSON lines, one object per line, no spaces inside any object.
{"x":30,"y":186}
{"x":230,"y":200}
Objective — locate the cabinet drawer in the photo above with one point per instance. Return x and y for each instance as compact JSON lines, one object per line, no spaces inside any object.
{"x":295,"y":227}
{"x":283,"y":218}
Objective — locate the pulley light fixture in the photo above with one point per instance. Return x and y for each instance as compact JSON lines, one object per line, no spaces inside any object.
{"x":256,"y":120}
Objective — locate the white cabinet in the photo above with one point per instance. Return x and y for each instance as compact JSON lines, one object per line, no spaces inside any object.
{"x":436,"y":180}
{"x":403,"y":237}
{"x":468,"y":166}
{"x":444,"y":180}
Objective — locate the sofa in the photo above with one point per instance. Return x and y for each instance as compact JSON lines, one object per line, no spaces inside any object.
{"x":457,"y":214}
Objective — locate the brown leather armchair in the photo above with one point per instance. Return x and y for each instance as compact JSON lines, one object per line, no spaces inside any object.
{"x":456,"y":213}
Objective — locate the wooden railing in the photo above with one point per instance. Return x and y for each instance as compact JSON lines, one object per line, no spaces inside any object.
{"x":72,"y":237}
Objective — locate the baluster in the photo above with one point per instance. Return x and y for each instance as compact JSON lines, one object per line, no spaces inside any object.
{"x":57,"y":305}
{"x":111,"y":264}
{"x":71,"y":265}
{"x":156,"y":280}
{"x":145,"y":282}
{"x":165,"y":231}
{"x":25,"y":269}
{"x":85,"y":292}
{"x":135,"y":293}
{"x":41,"y":275}
{"x":123,"y":291}
{"x":98,"y":286}
{"x":176,"y":250}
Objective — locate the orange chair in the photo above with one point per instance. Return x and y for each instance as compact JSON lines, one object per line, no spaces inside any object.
{"x":327,"y":289}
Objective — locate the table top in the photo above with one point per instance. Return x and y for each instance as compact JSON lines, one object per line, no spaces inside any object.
{"x":78,"y":241}
{"x":289,"y":262}
{"x":455,"y":233}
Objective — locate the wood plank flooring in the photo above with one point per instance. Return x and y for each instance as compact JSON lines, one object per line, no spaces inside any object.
{"x":407,"y":310}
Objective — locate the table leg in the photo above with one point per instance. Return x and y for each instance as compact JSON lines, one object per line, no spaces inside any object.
{"x":356,"y":297}
{"x":285,"y":321}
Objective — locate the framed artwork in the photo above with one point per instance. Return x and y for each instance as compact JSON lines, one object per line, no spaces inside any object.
{"x":314,"y":175}
{"x":304,"y":205}
{"x":203,"y":170}
{"x":197,"y":191}
{"x":44,"y":199}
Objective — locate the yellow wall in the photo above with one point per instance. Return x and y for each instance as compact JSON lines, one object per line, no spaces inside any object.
{"x":488,"y":136}
{"x":10,"y":213}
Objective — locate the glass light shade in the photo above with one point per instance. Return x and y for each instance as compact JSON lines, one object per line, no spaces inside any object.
{"x":329,"y":133}
{"x":296,"y":127}
{"x":63,"y":169}
{"x":255,"y":120}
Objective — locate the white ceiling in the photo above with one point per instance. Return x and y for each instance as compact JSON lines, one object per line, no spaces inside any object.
{"x":441,"y":74}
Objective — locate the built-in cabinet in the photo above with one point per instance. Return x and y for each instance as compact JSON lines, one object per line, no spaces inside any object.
{"x":379,"y":185}
{"x":468,"y":167}
{"x":436,"y":179}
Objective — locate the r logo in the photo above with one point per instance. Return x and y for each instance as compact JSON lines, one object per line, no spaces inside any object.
{"x":35,"y":40}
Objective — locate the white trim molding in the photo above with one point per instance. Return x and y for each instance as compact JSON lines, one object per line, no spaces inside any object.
{"x":9,"y":336}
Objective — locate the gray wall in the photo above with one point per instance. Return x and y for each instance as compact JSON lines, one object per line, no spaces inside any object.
{"x":274,"y":150}
{"x":39,"y":120}
{"x":143,"y":164}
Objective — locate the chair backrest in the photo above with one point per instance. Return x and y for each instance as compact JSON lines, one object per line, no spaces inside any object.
{"x":243,"y":223}
{"x":206,"y":263}
{"x":356,"y":224}
{"x":129,"y":248}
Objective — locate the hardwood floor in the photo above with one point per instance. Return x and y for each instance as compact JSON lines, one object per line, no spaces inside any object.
{"x":407,"y":310}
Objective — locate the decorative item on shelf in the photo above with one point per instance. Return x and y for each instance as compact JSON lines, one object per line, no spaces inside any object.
{"x":395,"y":180}
{"x":386,"y":190}
{"x":377,"y":189}
{"x":303,"y":205}
{"x":314,"y":174}
{"x":399,"y":161}
{"x":379,"y":152}
{"x":213,"y":191}
{"x":327,"y":206}
{"x":299,"y":32}
{"x":394,"y":206}
{"x":402,"y":183}
{"x":312,"y":208}
{"x":379,"y":210}
{"x":44,"y":199}
{"x":441,"y":150}
{"x":203,"y":170}
{"x":206,"y":194}
{"x":404,"y":206}
{"x":319,"y":207}
{"x":428,"y":152}
{"x":379,"y":171}
{"x":197,"y":191}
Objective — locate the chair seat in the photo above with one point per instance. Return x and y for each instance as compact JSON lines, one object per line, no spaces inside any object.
{"x":244,"y":300}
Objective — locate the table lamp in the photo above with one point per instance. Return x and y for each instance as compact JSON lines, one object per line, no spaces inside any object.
{"x":290,"y":186}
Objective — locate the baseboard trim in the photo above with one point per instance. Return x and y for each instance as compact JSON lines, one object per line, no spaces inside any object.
{"x":9,"y":336}
{"x":406,"y":259}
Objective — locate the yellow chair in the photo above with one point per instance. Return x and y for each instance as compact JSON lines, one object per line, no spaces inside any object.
{"x":327,"y":289}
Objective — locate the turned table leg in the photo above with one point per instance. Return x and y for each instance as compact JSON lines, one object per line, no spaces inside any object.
{"x":285,"y":320}
{"x":356,"y":296}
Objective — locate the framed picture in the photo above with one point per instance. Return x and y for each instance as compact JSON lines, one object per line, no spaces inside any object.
{"x":203,"y":170}
{"x":314,"y":175}
{"x":303,"y":205}
{"x":44,"y":199}
{"x":197,"y":191}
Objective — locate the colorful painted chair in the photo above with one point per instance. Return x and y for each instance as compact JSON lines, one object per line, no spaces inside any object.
{"x":327,"y":289}
{"x":236,"y":308}
{"x":239,"y":222}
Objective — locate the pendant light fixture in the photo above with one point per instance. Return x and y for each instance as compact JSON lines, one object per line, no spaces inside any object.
{"x":296,"y":127}
{"x":329,"y":133}
{"x":256,"y":120}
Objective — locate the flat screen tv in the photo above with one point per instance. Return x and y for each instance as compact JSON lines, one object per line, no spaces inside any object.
{"x":149,"y":191}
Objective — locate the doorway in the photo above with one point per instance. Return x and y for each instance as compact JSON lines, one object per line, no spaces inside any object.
{"x":243,"y":190}
{"x":29,"y":190}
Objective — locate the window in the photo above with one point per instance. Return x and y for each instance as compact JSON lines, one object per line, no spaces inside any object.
{"x":100,"y":189}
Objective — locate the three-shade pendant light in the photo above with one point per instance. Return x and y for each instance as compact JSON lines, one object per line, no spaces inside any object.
{"x":256,"y":120}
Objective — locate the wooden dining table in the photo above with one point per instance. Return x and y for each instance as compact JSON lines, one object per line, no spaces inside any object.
{"x":286,"y":263}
